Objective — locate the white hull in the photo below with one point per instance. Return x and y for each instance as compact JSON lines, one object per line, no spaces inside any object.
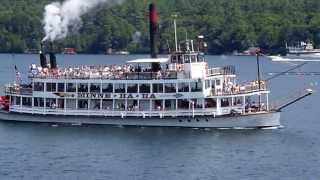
{"x":271,"y":119}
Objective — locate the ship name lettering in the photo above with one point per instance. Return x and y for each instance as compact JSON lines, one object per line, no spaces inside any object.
{"x":120,"y":96}
{"x":94,"y":95}
{"x":145,"y":96}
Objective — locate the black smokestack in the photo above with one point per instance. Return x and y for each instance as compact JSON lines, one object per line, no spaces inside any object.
{"x":43,"y":59}
{"x":153,"y":19}
{"x":53,"y":59}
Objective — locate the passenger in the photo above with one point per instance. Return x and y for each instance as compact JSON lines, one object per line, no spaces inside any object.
{"x":159,"y":75}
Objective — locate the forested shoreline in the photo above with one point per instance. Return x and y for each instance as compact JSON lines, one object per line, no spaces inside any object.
{"x":228,"y":25}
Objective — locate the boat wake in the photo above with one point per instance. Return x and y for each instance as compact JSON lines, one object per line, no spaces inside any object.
{"x":293,"y":59}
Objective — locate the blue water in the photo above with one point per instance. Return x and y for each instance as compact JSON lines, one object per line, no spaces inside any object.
{"x":43,"y":151}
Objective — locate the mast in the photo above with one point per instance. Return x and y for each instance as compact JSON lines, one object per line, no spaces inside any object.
{"x":259,"y":76}
{"x":175,"y":31}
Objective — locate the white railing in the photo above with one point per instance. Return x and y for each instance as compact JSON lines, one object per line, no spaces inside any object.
{"x":143,"y":114}
{"x":248,"y":87}
{"x":166,"y":113}
{"x":227,"y":70}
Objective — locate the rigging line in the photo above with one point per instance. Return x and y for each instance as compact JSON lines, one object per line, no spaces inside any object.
{"x":291,"y":69}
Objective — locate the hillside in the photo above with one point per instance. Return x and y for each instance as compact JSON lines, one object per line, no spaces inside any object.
{"x":228,"y":25}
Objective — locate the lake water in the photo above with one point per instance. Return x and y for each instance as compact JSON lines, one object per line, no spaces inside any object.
{"x":41,"y":151}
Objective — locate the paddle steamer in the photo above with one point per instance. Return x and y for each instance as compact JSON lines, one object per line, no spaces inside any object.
{"x":181,"y":91}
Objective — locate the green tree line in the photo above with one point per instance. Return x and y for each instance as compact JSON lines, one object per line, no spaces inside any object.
{"x":228,"y":25}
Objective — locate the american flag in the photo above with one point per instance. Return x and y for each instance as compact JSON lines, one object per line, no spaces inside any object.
{"x":18,"y":76}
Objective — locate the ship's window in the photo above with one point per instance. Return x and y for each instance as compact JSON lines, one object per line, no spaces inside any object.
{"x":207,"y":84}
{"x":51,"y":103}
{"x":60,"y":104}
{"x":210,"y":103}
{"x":218,"y":82}
{"x":225,"y":102}
{"x":15,"y":100}
{"x":119,"y":88}
{"x":38,"y":102}
{"x":95,"y":88}
{"x":170,"y":104}
{"x":119,"y":105}
{"x":193,"y":58}
{"x":183,"y":104}
{"x":132,"y":105}
{"x":107,"y":88}
{"x":107,"y":104}
{"x":237,"y":101}
{"x":51,"y":87}
{"x":71,"y":104}
{"x":145,"y":88}
{"x":144,"y":105}
{"x":170,"y":88}
{"x":82,"y":87}
{"x":132,"y":88}
{"x":213,"y":84}
{"x":157,"y":105}
{"x":60,"y":87}
{"x":95,"y":104}
{"x":157,"y":88}
{"x":173,"y":59}
{"x":186,"y":59}
{"x":196,"y":86}
{"x":196,"y":103}
{"x":27,"y":101}
{"x":38,"y":86}
{"x":183,"y":87}
{"x":200,"y":58}
{"x":71,"y":87}
{"x":180,"y":60}
{"x":83,"y":104}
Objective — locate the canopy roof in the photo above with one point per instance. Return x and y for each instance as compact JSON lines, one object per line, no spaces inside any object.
{"x":149,"y":60}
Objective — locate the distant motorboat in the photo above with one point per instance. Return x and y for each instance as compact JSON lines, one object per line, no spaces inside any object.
{"x":69,"y":51}
{"x":252,"y":51}
{"x":31,"y":51}
{"x":121,"y":52}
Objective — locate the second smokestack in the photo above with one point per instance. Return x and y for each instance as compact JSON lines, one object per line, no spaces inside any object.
{"x":153,"y":19}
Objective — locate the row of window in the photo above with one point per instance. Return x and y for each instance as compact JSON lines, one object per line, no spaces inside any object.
{"x":180,"y":59}
{"x":119,"y":87}
{"x":121,"y":105}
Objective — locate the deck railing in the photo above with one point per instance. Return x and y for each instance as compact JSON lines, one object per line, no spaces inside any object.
{"x":143,"y":114}
{"x":18,"y":90}
{"x":103,"y":112}
{"x":111,"y":76}
{"x":227,"y":70}
{"x":248,"y":87}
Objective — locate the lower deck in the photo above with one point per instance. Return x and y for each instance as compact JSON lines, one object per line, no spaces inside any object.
{"x":253,"y":120}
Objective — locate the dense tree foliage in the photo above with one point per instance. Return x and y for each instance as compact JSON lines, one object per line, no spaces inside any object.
{"x":228,"y":25}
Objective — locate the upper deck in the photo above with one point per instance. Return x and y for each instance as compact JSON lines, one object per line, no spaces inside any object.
{"x":121,"y":72}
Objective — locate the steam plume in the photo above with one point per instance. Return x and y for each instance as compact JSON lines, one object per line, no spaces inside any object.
{"x":61,"y":18}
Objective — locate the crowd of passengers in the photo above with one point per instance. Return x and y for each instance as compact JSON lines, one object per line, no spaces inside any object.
{"x":100,"y":71}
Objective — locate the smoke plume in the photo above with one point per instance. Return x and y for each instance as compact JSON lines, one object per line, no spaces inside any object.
{"x":62,"y":18}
